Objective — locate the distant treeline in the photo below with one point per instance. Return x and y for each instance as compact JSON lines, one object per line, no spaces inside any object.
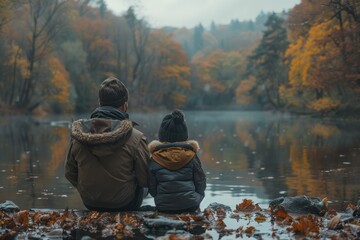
{"x":55,"y":54}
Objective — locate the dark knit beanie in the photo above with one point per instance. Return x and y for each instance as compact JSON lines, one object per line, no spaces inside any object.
{"x":173,"y":128}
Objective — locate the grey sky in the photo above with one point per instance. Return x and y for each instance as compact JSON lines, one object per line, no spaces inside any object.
{"x":188,"y":13}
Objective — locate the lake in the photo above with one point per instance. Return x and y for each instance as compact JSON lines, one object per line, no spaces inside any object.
{"x":253,"y":155}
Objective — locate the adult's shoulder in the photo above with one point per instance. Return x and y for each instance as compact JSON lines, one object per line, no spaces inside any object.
{"x":137,"y":136}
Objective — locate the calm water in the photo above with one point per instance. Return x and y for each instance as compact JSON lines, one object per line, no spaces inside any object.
{"x":254,"y":155}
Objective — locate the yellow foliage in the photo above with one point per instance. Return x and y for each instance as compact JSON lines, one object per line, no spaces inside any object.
{"x":180,"y":73}
{"x":324,"y":104}
{"x":5,"y":11}
{"x":243,"y":95}
{"x":178,"y":99}
{"x":311,"y":55}
{"x":58,"y":151}
{"x":170,"y":68}
{"x":60,"y":79}
{"x":219,"y":69}
{"x":325,"y":131}
{"x":16,"y":58}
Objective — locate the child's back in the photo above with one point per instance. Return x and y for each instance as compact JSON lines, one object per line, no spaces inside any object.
{"x":176,"y":179}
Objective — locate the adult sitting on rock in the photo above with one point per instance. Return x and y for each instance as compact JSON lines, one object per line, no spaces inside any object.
{"x":107,"y":158}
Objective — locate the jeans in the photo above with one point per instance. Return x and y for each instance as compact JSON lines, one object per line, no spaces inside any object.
{"x":192,"y":209}
{"x":134,"y":205}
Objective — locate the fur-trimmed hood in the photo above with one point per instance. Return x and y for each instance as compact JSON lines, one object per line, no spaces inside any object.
{"x":194,"y":144}
{"x":173,"y":156}
{"x":99,"y":131}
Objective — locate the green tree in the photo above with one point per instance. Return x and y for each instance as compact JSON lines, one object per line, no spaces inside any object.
{"x":198,"y":37}
{"x":267,"y":62}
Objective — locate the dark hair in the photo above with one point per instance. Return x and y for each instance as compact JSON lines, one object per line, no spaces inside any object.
{"x":113,"y":93}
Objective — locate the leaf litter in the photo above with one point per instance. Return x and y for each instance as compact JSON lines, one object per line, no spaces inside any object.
{"x":247,"y":220}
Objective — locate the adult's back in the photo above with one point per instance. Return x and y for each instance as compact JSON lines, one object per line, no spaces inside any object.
{"x":107,"y":158}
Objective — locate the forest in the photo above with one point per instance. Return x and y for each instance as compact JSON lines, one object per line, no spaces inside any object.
{"x":56,"y":53}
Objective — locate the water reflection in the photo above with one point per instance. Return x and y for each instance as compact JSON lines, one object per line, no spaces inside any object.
{"x":245,"y":155}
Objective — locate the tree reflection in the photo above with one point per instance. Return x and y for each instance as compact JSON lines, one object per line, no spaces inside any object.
{"x":242,"y":155}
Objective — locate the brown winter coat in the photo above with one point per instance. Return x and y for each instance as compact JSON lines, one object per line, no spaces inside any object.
{"x":107,"y":161}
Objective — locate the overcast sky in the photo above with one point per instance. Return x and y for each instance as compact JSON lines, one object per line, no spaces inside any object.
{"x":188,"y":13}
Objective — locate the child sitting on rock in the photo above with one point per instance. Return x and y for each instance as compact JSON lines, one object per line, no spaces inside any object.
{"x":176,"y":179}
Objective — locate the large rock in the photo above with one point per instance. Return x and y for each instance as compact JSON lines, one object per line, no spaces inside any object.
{"x":163,"y":223}
{"x":356,"y":212}
{"x":9,"y":206}
{"x":301,"y":204}
{"x":214,"y":206}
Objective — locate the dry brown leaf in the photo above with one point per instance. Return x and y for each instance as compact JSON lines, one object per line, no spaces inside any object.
{"x":260,"y":219}
{"x":281,"y":215}
{"x":221,"y":212}
{"x":119,"y":227}
{"x":305,"y":225}
{"x":177,"y":237}
{"x":334,"y":222}
{"x":247,"y":205}
{"x":197,"y":218}
{"x":22,"y":218}
{"x":220,"y":223}
{"x":184,"y":218}
{"x":249,"y":230}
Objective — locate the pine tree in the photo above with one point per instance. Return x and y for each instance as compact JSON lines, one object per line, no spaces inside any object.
{"x":267,"y":62}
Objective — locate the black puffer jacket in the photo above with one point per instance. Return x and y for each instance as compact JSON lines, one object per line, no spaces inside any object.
{"x":176,"y":179}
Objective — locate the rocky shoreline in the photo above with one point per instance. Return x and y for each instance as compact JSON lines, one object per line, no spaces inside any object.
{"x":216,"y":221}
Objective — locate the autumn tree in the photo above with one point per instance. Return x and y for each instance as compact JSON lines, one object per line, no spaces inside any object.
{"x":45,"y":23}
{"x":198,"y":37}
{"x":267,"y":62}
{"x":57,"y":91}
{"x":324,"y":66}
{"x":139,"y":33}
{"x":170,"y":69}
{"x":5,"y":12}
{"x":216,"y":76}
{"x":15,"y":68}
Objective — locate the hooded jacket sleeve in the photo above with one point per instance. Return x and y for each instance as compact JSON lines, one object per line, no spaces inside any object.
{"x":141,"y":163}
{"x":71,"y":168}
{"x":152,"y":180}
{"x":199,"y":177}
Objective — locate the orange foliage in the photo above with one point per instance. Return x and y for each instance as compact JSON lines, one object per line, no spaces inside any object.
{"x":58,"y":151}
{"x":323,"y":56}
{"x":60,"y":79}
{"x":325,"y":131}
{"x":312,"y":56}
{"x":219,"y":69}
{"x":250,"y":230}
{"x":17,"y":59}
{"x":260,"y":218}
{"x":280,"y":215}
{"x":247,"y":205}
{"x":306,"y":14}
{"x":170,"y":68}
{"x":23,"y":218}
{"x":243,"y":95}
{"x":305,"y":225}
{"x":324,"y":104}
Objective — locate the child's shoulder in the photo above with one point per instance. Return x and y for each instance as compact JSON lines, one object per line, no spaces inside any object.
{"x":193,"y":143}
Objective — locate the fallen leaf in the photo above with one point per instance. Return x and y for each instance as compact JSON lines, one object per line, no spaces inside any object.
{"x":334,"y":222}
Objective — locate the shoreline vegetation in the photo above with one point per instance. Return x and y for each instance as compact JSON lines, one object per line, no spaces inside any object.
{"x":304,"y":60}
{"x":247,"y":220}
{"x":353,"y":117}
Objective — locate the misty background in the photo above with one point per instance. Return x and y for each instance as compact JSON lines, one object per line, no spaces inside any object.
{"x":293,"y":56}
